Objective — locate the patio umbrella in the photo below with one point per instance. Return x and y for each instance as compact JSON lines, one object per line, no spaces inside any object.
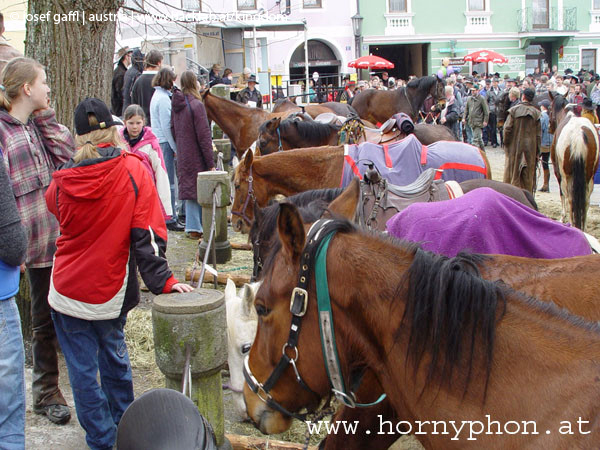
{"x":371,"y":62}
{"x":485,"y":56}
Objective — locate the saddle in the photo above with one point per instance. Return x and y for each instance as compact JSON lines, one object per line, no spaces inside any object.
{"x":381,"y":200}
{"x":330,"y":119}
{"x":385,"y":133}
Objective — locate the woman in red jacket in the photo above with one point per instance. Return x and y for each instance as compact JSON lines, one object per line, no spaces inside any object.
{"x":111,"y":224}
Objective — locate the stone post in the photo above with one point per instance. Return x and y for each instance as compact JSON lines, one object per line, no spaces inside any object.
{"x":207,"y":182}
{"x":222,"y":143}
{"x":194,"y":320}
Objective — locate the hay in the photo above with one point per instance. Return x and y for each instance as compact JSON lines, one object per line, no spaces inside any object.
{"x":140,"y":339}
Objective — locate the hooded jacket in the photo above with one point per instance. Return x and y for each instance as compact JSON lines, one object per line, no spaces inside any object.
{"x":110,"y":222}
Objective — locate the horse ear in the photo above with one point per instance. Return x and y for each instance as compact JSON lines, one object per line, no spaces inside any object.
{"x":248,"y":159}
{"x":345,"y":205}
{"x":257,"y":151}
{"x":229,"y":290}
{"x":273,"y":124}
{"x":551,"y":95}
{"x":291,"y":231}
{"x":247,"y":297}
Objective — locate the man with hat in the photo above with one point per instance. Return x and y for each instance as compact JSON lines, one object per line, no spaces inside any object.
{"x":546,"y":143}
{"x":348,"y":93}
{"x":523,"y":142}
{"x":476,"y":115}
{"x":588,"y":110}
{"x":123,"y":62}
{"x":250,"y":95}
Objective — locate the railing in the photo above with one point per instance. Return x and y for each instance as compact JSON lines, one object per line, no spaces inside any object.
{"x":556,"y":19}
{"x":478,"y":22}
{"x":399,"y":24}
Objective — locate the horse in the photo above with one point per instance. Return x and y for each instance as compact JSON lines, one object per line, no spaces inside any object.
{"x":340,"y":109}
{"x":444,"y":340}
{"x":277,"y":134}
{"x":574,"y":154}
{"x":299,"y":170}
{"x":378,"y":106}
{"x":241,"y":122}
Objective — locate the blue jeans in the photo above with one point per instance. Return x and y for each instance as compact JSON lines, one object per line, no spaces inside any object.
{"x":169,"y":157}
{"x":12,"y":378}
{"x":193,"y":216}
{"x":89,"y":346}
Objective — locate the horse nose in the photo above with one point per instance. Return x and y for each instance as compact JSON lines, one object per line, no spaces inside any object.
{"x":237,"y":225}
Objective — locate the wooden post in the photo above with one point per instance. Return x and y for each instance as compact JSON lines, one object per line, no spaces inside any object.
{"x":23,"y":299}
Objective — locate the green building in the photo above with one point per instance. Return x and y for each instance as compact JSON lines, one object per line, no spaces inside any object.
{"x":417,"y":35}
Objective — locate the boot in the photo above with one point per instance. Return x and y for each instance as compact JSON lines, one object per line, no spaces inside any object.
{"x":546,"y":186}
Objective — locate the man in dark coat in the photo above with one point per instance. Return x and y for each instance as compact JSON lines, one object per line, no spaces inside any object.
{"x":132,"y":74}
{"x":142,"y":90}
{"x":124,"y":57}
{"x":523,"y":142}
{"x":251,"y":95}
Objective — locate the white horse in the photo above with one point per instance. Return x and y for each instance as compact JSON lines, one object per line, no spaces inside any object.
{"x":241,"y":330}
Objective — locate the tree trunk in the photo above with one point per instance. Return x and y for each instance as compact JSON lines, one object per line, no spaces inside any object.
{"x":77,"y":50}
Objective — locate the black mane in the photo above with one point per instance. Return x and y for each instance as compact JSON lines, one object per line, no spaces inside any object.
{"x":422,"y":83}
{"x":309,"y":131}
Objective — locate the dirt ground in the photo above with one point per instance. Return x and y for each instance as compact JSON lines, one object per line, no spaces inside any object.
{"x":41,"y":434}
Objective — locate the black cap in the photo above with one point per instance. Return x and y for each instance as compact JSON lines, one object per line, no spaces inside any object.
{"x":568,"y":71}
{"x":96,"y":107}
{"x":588,"y":104}
{"x":529,"y":94}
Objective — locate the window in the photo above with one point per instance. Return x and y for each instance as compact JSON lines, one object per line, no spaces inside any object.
{"x":596,"y":4}
{"x":191,"y":5}
{"x":312,"y":3}
{"x":588,"y":59}
{"x":246,"y":4}
{"x":476,"y":5}
{"x":397,"y":6}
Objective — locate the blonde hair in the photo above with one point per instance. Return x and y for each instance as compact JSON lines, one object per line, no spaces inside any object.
{"x":515,"y":92}
{"x":189,"y":84}
{"x":16,"y":73}
{"x":87,"y":143}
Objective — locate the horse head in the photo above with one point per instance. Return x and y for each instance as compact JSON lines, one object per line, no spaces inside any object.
{"x":502,"y":105}
{"x":244,"y":195}
{"x":276,"y":401}
{"x":268,"y":138}
{"x":558,"y":110}
{"x":241,"y":329}
{"x":438,"y":93}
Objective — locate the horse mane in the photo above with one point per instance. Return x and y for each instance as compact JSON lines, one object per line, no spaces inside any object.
{"x":309,"y":131}
{"x":424,"y":83}
{"x":560,"y":102}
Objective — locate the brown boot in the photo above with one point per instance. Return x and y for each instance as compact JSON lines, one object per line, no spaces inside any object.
{"x":546,"y":186}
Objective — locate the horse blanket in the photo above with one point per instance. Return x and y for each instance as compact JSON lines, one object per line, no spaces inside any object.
{"x":486,"y":221}
{"x":401,"y":162}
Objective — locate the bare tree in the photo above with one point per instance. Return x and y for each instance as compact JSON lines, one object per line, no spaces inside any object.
{"x":77,"y":49}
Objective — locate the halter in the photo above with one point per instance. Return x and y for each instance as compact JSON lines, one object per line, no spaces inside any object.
{"x":319,"y":236}
{"x":248,"y":197}
{"x":280,"y":148}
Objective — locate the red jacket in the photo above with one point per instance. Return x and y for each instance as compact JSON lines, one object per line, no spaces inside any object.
{"x":110,"y":222}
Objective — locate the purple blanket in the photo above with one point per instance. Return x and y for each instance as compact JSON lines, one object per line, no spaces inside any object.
{"x":485,"y":221}
{"x":403,"y":161}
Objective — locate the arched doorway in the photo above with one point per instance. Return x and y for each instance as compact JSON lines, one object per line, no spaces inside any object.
{"x":321,"y":58}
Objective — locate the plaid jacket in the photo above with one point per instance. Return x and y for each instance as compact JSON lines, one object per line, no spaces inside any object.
{"x":32,"y":151}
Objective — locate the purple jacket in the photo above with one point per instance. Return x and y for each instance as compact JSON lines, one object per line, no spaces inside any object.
{"x":194,"y":144}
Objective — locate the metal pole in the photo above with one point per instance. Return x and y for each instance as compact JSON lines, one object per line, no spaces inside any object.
{"x":306,"y":99}
{"x":255,"y":50}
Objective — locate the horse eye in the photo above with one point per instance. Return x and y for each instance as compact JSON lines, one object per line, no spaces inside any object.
{"x":261,"y":310}
{"x":237,"y":187}
{"x":245,"y":348}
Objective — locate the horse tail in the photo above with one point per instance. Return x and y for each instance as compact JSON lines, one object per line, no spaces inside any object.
{"x":580,"y":182}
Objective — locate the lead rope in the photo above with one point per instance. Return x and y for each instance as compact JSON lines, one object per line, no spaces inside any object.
{"x":327,"y":410}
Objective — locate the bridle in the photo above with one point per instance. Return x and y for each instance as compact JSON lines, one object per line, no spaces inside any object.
{"x":280,"y":148}
{"x":258,"y":263}
{"x":249,"y":196}
{"x":319,"y":237}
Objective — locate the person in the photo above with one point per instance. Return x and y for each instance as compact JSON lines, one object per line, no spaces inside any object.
{"x":34,"y":144}
{"x":513,"y":96}
{"x":560,"y":86}
{"x":13,"y":248}
{"x":141,"y":141}
{"x":542,"y":87}
{"x":160,"y":108}
{"x":123,"y":62}
{"x":250,"y":96}
{"x":7,"y":51}
{"x":135,"y":70}
{"x":588,"y":110}
{"x":214,"y":76}
{"x":450,"y":114}
{"x":111,"y":224}
{"x":578,"y":98}
{"x":546,"y":142}
{"x":142,"y":91}
{"x":242,"y":82}
{"x":227,"y":76}
{"x":476,"y":115}
{"x":362,"y":85}
{"x":192,"y":134}
{"x":492,"y":97}
{"x":312,"y":95}
{"x":348,"y":92}
{"x":522,"y":139}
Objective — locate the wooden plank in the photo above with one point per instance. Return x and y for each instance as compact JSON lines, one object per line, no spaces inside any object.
{"x":240,"y":246}
{"x":238,"y":279}
{"x":259,"y":443}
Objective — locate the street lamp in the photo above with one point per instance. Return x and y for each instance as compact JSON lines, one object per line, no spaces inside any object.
{"x":357,"y":21}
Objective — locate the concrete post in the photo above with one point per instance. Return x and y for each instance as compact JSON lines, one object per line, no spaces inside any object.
{"x":223,"y":146}
{"x":223,"y":91}
{"x":194,"y":320}
{"x":207,"y":181}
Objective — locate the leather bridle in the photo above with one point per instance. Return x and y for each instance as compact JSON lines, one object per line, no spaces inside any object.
{"x":249,"y":196}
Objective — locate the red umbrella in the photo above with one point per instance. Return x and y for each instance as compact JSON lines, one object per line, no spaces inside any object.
{"x":484,"y":56}
{"x":371,"y":62}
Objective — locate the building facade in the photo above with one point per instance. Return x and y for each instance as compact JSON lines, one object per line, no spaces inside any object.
{"x":417,"y":35}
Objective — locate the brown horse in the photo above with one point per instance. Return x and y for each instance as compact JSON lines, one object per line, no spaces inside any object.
{"x":241,"y":122}
{"x":277,"y":134}
{"x":285,"y":173}
{"x":340,"y":109}
{"x":264,"y":235}
{"x":445,"y":342}
{"x":378,"y":106}
{"x":574,"y":153}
